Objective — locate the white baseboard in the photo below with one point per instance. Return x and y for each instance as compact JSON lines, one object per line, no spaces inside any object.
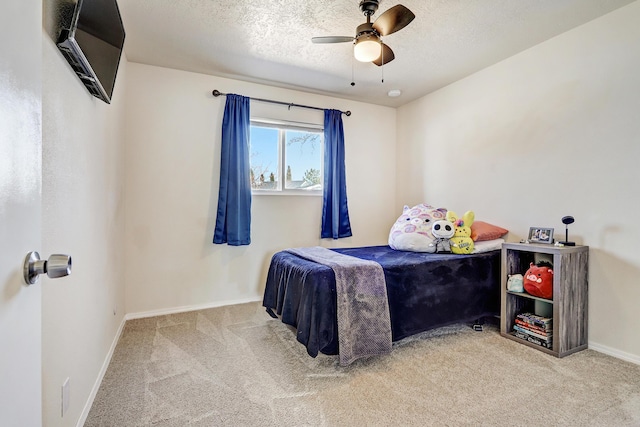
{"x":185,"y":308}
{"x":614,"y":352}
{"x":103,"y":370}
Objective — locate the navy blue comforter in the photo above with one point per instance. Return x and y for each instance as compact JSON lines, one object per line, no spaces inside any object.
{"x":425,"y":291}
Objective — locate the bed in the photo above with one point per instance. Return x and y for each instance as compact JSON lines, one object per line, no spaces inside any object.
{"x":425,"y":291}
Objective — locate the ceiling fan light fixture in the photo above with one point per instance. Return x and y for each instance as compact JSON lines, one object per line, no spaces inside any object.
{"x":367,"y":44}
{"x":367,"y":48}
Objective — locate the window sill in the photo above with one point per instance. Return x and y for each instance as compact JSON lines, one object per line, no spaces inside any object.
{"x":286,"y":193}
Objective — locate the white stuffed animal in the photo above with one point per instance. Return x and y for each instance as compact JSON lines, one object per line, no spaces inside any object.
{"x":515,"y":283}
{"x":412,"y":230}
{"x":442,"y":231}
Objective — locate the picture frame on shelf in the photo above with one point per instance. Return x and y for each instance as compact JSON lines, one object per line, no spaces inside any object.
{"x":540,"y":235}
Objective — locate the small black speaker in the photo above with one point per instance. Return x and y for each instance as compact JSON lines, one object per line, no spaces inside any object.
{"x":566,"y":220}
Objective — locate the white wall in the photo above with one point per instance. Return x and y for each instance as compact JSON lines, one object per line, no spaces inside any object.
{"x":83,"y":215}
{"x":552,"y":131}
{"x":173,"y":133}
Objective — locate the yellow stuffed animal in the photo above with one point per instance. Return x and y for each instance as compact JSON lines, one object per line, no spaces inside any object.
{"x":461,"y":242}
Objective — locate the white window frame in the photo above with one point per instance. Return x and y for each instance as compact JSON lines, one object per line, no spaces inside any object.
{"x":283,"y":125}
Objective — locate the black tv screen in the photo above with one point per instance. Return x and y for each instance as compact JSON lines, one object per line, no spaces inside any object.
{"x":93,"y":45}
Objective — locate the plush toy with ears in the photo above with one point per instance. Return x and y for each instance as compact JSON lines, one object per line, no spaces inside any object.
{"x":412,"y":230}
{"x":538,"y":280}
{"x":461,"y":242}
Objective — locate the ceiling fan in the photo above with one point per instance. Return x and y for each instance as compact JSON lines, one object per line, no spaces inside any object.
{"x":368,"y":45}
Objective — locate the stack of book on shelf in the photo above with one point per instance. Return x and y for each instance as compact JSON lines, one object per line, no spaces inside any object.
{"x":535,"y":329}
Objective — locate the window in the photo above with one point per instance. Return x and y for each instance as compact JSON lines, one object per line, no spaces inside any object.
{"x":286,"y":158}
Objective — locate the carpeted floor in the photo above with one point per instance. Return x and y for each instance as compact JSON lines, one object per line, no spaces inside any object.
{"x":235,"y":366}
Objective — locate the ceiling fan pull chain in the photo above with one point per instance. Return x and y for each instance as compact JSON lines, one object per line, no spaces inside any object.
{"x":353,"y":79}
{"x":382,"y":65}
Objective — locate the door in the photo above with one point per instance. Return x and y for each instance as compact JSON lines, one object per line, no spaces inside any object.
{"x":20,"y":211}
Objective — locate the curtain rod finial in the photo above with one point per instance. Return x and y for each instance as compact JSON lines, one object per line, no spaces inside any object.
{"x":216,"y":92}
{"x":347,"y":113}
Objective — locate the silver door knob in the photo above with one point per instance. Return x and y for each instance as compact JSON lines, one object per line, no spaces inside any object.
{"x":57,"y":265}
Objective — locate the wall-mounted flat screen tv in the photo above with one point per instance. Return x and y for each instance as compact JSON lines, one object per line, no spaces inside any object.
{"x":93,"y":43}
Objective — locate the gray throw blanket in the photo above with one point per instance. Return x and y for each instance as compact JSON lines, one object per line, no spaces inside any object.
{"x":364,"y":326}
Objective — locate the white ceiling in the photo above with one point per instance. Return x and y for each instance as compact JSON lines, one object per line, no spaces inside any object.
{"x":269,"y":41}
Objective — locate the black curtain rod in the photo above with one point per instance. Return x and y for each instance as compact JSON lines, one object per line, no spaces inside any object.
{"x":217,"y":93}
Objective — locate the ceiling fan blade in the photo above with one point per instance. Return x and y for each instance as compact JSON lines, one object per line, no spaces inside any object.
{"x":332,"y":39}
{"x":393,"y":20}
{"x":385,"y":57}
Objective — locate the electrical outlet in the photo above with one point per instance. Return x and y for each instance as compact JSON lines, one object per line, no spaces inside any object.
{"x":65,"y":397}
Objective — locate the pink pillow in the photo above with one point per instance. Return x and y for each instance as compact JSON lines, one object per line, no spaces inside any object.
{"x":481,"y":231}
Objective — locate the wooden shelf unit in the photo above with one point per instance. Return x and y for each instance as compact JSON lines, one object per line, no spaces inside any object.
{"x":570,"y":294}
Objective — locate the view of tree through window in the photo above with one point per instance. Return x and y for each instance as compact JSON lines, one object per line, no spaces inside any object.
{"x":285,"y":158}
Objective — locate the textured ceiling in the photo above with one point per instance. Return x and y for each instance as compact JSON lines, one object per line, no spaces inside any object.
{"x":270,"y":41}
